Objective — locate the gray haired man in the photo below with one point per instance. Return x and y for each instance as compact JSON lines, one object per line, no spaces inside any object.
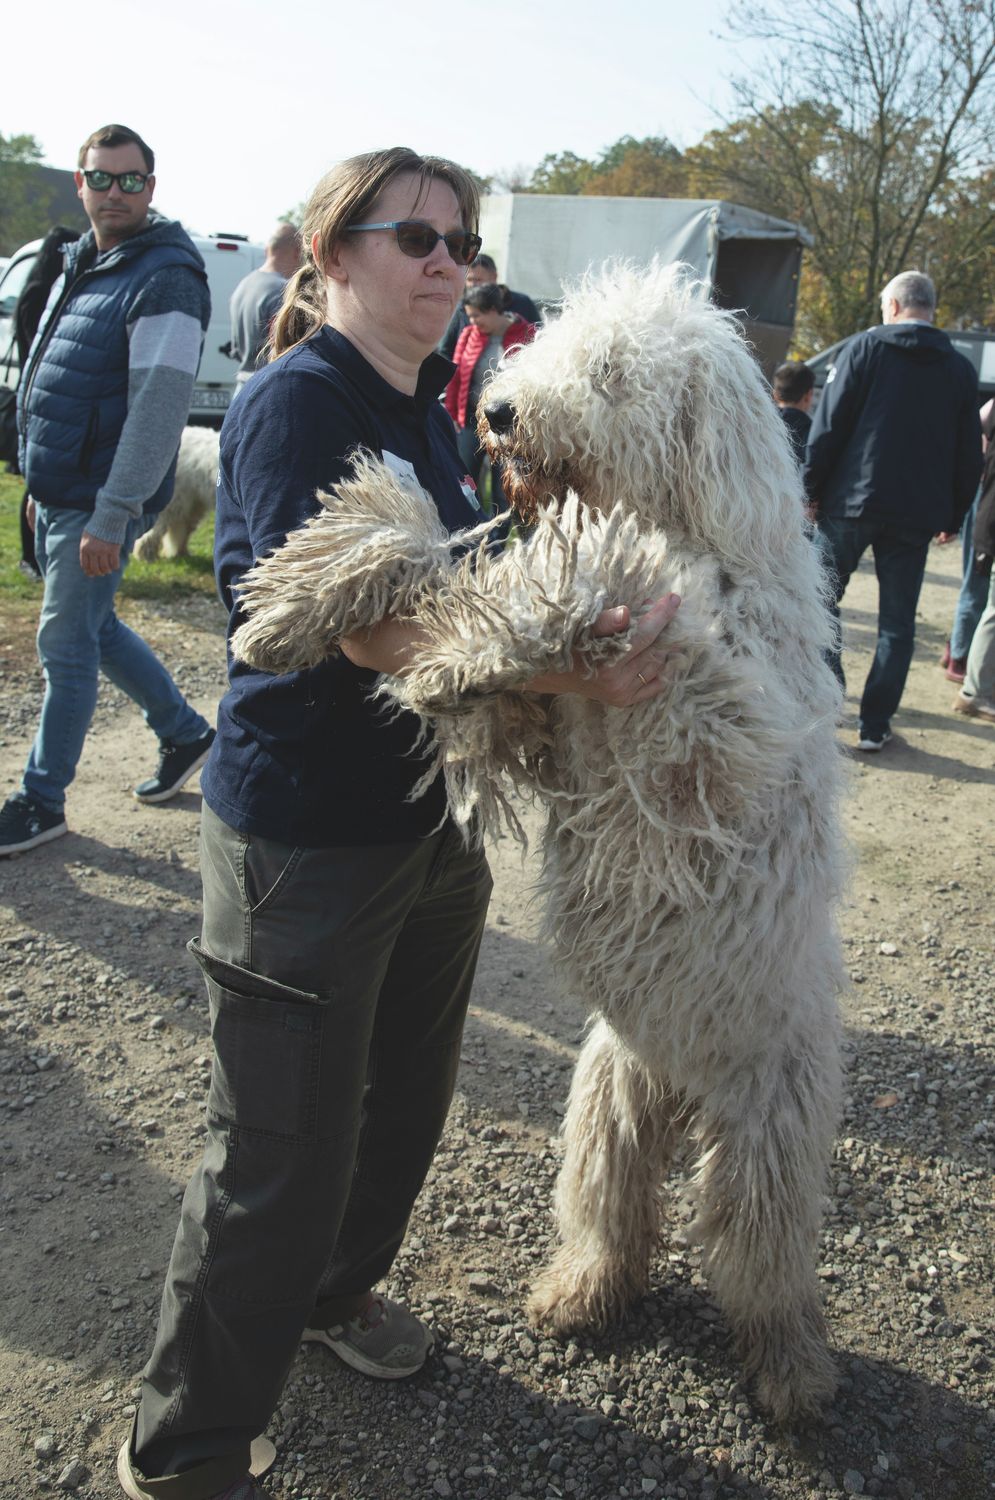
{"x":256,"y":300}
{"x":893,"y":460}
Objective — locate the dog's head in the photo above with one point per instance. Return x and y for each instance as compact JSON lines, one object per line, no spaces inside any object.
{"x":642,"y":393}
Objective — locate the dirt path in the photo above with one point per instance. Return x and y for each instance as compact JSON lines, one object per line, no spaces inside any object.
{"x":103,"y":1071}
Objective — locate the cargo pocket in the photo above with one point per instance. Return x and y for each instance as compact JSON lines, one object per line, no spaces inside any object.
{"x":267,"y":1044}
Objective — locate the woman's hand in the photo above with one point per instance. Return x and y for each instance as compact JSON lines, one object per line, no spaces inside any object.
{"x":635,"y":678}
{"x":393,"y":647}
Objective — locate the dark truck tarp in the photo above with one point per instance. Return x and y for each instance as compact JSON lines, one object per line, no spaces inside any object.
{"x":750,"y":261}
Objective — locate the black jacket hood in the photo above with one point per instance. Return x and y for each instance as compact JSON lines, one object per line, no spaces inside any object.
{"x":921,"y":341}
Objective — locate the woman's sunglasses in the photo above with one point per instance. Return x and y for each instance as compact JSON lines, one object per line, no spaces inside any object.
{"x":418,"y":240}
{"x":128,"y":182}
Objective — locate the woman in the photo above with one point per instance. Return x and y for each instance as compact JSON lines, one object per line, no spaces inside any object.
{"x":490,"y":333}
{"x":341,"y":921}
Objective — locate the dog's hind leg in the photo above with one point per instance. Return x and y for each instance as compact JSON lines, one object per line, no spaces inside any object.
{"x":181,"y":528}
{"x":760,"y":1179}
{"x":149,"y":544}
{"x":620,"y":1130}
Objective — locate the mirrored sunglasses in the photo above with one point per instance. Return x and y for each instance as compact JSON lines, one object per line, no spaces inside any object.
{"x":128,"y":182}
{"x":418,"y":240}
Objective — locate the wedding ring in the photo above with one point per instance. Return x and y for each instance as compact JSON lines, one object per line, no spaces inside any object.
{"x":642,"y":679}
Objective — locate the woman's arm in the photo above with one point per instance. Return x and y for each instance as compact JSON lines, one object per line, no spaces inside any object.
{"x":392,"y":647}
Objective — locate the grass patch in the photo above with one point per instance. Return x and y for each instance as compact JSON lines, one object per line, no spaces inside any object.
{"x":193,"y":574}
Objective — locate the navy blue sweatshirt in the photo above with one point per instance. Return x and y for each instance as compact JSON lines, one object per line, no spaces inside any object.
{"x":896,"y":436}
{"x":306,"y":758}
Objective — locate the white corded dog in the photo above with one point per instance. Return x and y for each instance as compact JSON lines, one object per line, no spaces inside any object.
{"x":692,"y":854}
{"x":193,"y":497}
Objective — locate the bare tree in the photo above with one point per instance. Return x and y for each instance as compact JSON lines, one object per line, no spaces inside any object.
{"x":906,"y":94}
{"x":512,"y":179}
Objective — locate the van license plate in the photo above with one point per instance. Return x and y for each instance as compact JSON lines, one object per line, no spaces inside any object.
{"x":209,"y":398}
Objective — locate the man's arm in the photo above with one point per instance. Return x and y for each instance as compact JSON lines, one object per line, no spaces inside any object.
{"x":166,"y":327}
{"x":835,"y":418}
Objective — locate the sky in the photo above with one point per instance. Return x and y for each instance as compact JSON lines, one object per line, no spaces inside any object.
{"x":246,"y":104}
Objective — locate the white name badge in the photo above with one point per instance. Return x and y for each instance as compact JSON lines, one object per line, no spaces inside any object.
{"x":401,"y":469}
{"x":470,"y":491}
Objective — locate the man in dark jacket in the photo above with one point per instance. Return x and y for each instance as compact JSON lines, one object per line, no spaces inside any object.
{"x":44,"y":273}
{"x":483,"y":272}
{"x":101,"y":406}
{"x":893,"y":460}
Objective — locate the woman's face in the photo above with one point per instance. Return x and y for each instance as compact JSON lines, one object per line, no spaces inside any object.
{"x":488,"y":322}
{"x":389,"y":298}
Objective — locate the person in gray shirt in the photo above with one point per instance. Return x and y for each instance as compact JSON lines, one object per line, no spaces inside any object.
{"x":256,"y":300}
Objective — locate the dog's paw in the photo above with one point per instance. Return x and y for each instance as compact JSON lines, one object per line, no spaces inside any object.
{"x":792,"y":1370}
{"x":273,"y":642}
{"x":572,"y":1295}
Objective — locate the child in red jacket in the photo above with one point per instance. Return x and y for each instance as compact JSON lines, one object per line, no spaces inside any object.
{"x":490,"y":333}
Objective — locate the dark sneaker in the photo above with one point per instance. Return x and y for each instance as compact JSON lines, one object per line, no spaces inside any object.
{"x":974,"y":707}
{"x":384,"y":1340}
{"x":24,"y":823}
{"x":247,"y":1487}
{"x":872,"y":740}
{"x":177,"y":763}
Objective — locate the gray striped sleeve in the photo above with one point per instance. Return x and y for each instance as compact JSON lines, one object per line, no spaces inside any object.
{"x":164,"y":352}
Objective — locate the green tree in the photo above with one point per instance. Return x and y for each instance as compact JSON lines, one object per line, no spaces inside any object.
{"x":561,"y":173}
{"x":650,"y":168}
{"x":24,"y":201}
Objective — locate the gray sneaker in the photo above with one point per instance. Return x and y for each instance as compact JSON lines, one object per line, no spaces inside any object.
{"x":974,"y":707}
{"x":383,"y":1340}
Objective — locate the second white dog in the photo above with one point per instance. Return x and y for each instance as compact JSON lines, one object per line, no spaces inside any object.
{"x":193,"y":497}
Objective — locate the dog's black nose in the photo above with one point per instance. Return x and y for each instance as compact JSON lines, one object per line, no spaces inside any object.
{"x":500,"y":416}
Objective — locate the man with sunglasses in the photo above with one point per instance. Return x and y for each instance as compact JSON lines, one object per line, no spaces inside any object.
{"x":102,"y":402}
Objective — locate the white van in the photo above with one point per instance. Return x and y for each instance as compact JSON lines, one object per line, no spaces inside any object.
{"x":228,"y":257}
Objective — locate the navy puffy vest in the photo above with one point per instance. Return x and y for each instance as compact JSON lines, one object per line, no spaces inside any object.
{"x":73,"y":399}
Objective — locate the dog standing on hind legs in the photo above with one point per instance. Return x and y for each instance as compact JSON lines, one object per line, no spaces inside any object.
{"x":692,"y":858}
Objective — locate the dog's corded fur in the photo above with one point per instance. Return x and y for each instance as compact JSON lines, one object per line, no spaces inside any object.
{"x":692,"y":854}
{"x":192,"y":499}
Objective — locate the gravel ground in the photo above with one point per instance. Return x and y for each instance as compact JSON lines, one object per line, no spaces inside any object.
{"x":103,"y":1073}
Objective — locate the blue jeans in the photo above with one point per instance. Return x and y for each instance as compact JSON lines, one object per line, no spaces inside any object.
{"x":78,"y":635}
{"x":899,"y":562}
{"x":973,"y":594}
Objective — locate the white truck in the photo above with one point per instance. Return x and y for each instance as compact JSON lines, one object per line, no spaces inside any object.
{"x":228,"y":257}
{"x":749,"y":260}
